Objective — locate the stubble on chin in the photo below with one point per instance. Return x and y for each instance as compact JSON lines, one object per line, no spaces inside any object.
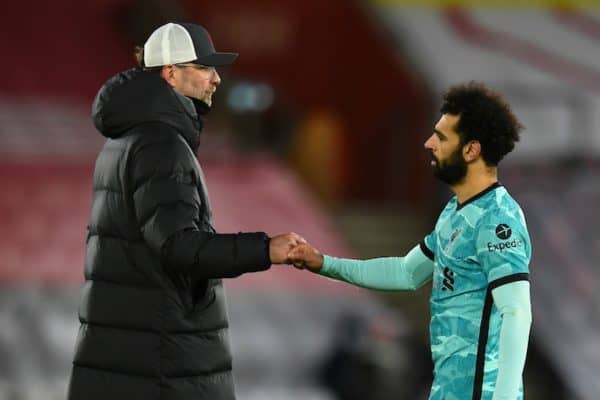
{"x":207,"y":99}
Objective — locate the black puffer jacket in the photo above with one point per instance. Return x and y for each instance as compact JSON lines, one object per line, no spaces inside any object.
{"x":153,"y":317}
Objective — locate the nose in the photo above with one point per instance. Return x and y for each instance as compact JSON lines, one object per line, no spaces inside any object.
{"x":429,"y":142}
{"x":216,"y":78}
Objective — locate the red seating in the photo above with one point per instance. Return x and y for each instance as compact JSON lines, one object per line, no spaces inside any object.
{"x":44,"y":210}
{"x":62,"y":48}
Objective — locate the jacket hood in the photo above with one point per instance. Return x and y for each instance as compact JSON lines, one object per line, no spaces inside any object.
{"x":134,"y":97}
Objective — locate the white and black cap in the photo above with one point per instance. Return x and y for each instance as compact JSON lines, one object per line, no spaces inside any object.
{"x":176,"y":43}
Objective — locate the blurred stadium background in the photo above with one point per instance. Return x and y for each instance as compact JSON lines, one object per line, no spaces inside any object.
{"x":318,"y":128}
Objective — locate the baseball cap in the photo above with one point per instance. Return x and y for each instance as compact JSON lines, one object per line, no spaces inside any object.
{"x":175,"y":43}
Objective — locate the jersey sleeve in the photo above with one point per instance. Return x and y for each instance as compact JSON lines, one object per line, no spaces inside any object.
{"x":385,"y":273}
{"x":513,"y":302}
{"x":428,"y":245}
{"x":503,"y":246}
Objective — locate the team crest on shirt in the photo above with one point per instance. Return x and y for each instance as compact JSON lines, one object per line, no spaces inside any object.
{"x":453,"y":237}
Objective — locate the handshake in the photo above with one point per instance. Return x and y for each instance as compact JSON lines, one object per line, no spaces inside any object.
{"x":291,"y":248}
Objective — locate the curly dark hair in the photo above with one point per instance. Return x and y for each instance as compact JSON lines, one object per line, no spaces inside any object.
{"x":485,"y":116}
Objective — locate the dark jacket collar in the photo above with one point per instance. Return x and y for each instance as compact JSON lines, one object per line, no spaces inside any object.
{"x":134,"y":97}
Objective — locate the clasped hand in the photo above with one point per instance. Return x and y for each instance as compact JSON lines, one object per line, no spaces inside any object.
{"x":291,"y":248}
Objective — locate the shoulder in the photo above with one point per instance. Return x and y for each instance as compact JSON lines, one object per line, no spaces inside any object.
{"x":503,"y":220}
{"x":503,"y":208}
{"x":158,"y":137}
{"x":158,"y":149}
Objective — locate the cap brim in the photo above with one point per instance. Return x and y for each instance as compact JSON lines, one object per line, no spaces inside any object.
{"x":216,"y":59}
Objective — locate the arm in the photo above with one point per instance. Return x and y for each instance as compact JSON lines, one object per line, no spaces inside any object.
{"x":388,"y":273}
{"x":510,"y":263}
{"x":514,"y":304}
{"x":167,"y":205}
{"x":213,"y":255}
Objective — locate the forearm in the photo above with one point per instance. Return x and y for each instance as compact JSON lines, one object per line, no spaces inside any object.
{"x":514,"y":305}
{"x":387,"y":273}
{"x":210,"y":255}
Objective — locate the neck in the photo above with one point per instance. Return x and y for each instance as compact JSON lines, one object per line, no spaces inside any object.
{"x":476,"y":181}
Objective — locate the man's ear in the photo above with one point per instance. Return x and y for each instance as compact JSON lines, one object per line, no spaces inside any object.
{"x":472,"y":150}
{"x":168,"y":74}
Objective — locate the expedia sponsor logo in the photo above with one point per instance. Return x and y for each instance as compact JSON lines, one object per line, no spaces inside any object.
{"x":492,"y":247}
{"x":504,"y":232}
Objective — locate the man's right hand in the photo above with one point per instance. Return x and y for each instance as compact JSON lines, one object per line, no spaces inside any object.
{"x":280,"y":246}
{"x":305,"y":256}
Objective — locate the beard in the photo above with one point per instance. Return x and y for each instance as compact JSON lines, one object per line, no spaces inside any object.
{"x":453,"y":170}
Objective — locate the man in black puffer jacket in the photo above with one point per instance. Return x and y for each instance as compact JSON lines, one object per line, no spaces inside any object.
{"x":153,"y":317}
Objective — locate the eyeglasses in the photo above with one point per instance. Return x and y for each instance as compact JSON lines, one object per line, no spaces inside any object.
{"x":199,"y":67}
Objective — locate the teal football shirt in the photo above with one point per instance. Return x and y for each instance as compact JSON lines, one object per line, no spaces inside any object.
{"x":476,"y":247}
